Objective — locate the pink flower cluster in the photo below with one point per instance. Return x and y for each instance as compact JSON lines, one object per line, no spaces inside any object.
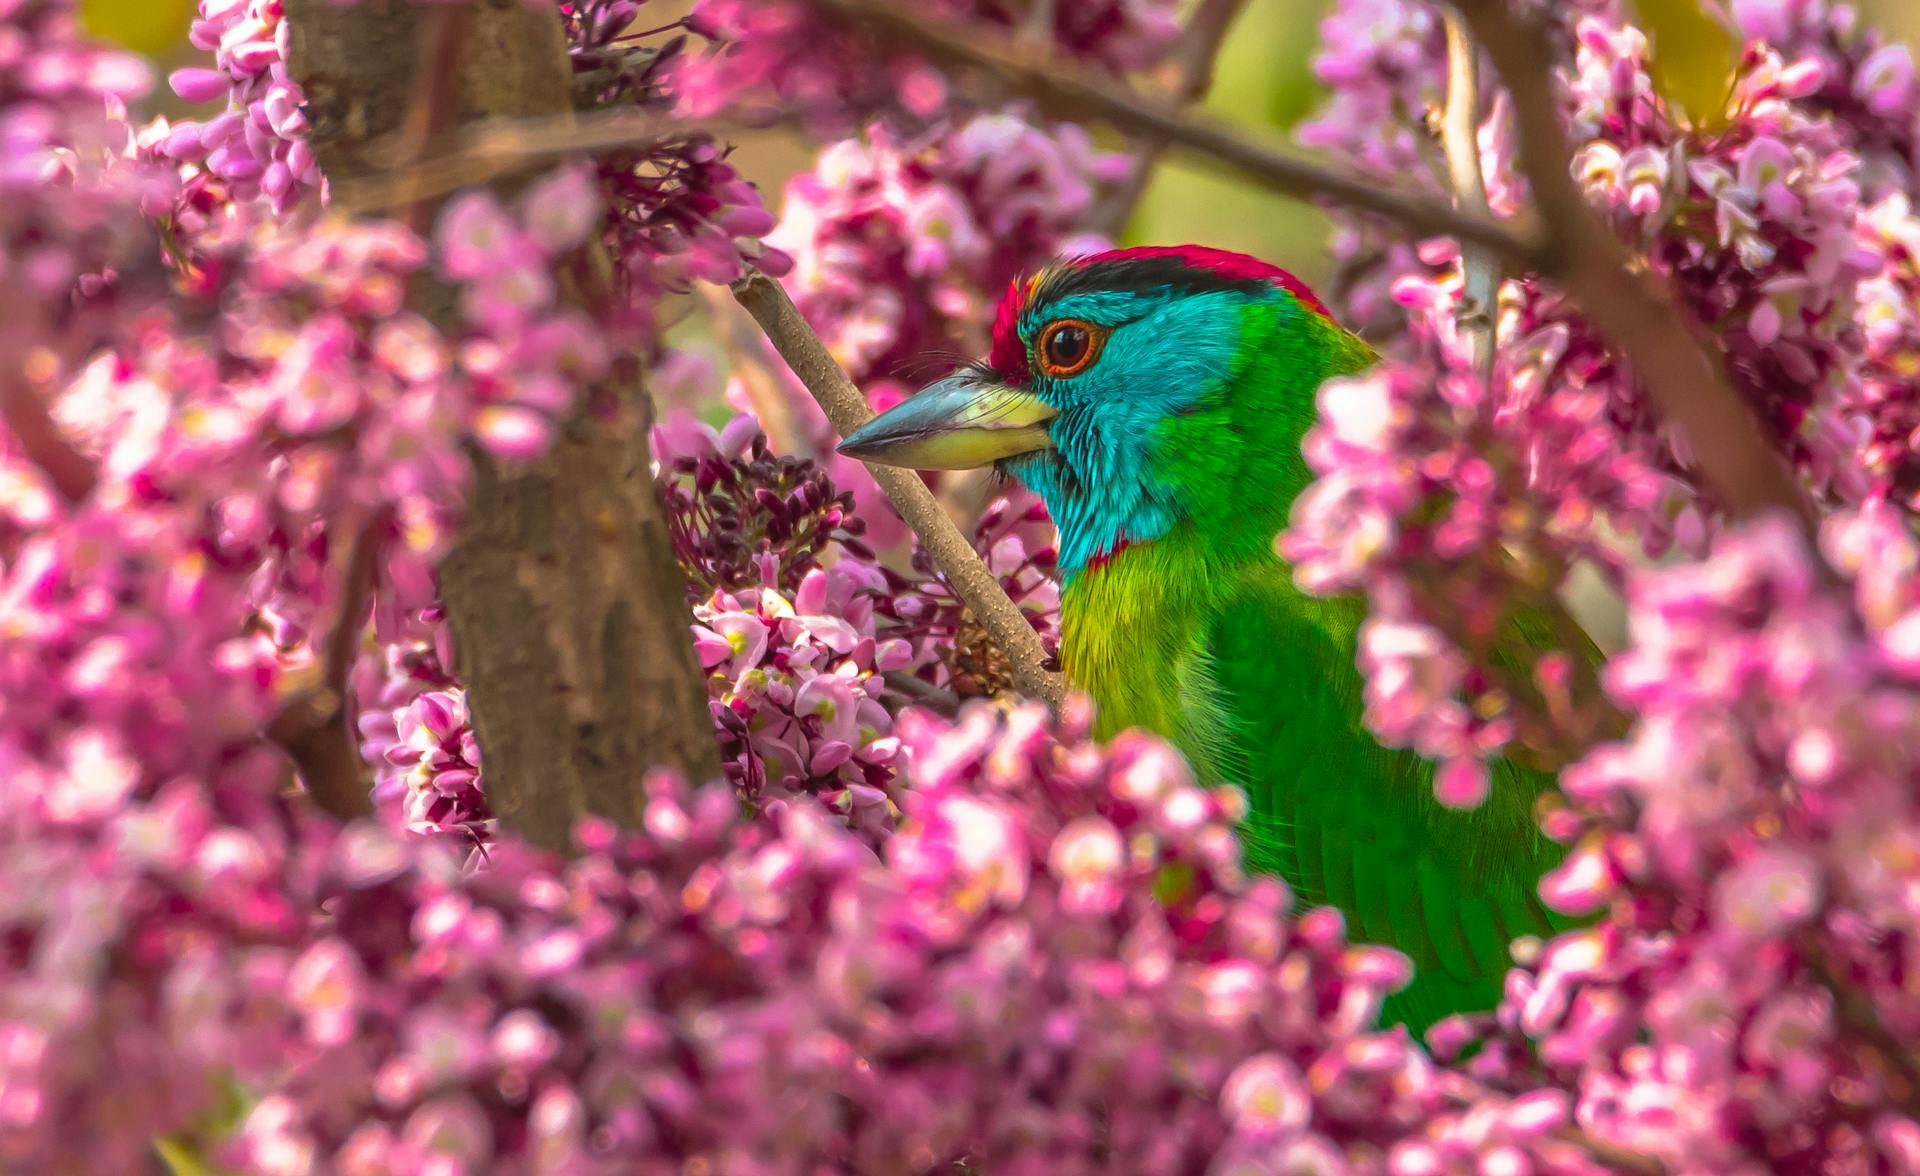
{"x":677,"y":211}
{"x":797,"y":698}
{"x":137,"y":979}
{"x":144,"y":847}
{"x":1742,"y":1004}
{"x":74,"y":256}
{"x":318,"y":357}
{"x":774,"y":59}
{"x":157,"y":622}
{"x":144,"y":850}
{"x":415,"y":732}
{"x":1757,"y":224}
{"x":1378,"y":59}
{"x":742,"y":517}
{"x":797,"y":626}
{"x":903,"y":244}
{"x":256,"y":147}
{"x":1459,"y":504}
{"x":1055,"y":961}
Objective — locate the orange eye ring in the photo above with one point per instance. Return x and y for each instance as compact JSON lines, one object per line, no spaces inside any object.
{"x":1066,"y":347}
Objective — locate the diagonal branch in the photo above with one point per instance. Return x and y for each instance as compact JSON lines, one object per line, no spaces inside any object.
{"x":847,"y":409}
{"x":1193,"y":63}
{"x":1068,"y":91}
{"x":1685,"y":378}
{"x":499,"y":147}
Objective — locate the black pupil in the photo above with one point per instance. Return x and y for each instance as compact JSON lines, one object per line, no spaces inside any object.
{"x":1066,"y":346}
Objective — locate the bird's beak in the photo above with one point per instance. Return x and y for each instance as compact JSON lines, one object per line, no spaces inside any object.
{"x":961,"y":423}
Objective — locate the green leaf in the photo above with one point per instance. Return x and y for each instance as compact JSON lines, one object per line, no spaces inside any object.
{"x":182,"y":1157}
{"x":1693,"y":54}
{"x":144,"y":26}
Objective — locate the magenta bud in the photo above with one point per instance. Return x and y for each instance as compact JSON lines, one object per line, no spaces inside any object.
{"x":198,"y":85}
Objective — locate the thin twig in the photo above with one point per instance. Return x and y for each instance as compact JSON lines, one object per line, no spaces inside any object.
{"x":25,"y":411}
{"x":1460,"y":137}
{"x":847,"y":409}
{"x":1193,"y":66}
{"x":925,"y":691}
{"x":312,"y":727}
{"x":1685,"y":378}
{"x":1066,"y":90}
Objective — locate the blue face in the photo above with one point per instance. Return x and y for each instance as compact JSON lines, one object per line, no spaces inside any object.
{"x":1157,"y":354}
{"x":1114,"y":390}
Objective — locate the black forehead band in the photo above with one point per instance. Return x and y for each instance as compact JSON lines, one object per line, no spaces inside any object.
{"x":1150,"y":275}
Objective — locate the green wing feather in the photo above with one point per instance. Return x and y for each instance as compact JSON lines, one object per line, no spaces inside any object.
{"x":1351,"y":823}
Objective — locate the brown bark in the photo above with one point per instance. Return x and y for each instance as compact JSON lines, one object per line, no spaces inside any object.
{"x":568,"y":609}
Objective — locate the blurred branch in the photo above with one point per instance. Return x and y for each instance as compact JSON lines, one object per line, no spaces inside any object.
{"x":1857,"y":1013}
{"x":501,"y":147}
{"x":1615,"y":1157}
{"x":1685,"y":377}
{"x":25,"y":412}
{"x":1479,"y":317}
{"x":847,"y":409}
{"x":745,"y":347}
{"x":432,"y":111}
{"x":312,"y":727}
{"x":945,"y":701}
{"x":1193,"y":64}
{"x":1069,"y":91}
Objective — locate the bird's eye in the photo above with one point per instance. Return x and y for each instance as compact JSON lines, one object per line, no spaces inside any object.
{"x":1068,"y":347}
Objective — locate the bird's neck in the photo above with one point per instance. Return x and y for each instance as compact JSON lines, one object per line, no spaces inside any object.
{"x":1128,"y":625}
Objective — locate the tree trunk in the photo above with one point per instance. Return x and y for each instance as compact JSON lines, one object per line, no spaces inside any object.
{"x":568,"y":609}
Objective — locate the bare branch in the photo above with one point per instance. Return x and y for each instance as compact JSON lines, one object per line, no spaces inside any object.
{"x":1193,"y":62}
{"x":1460,"y":136}
{"x":759,"y":376}
{"x":1685,"y":377}
{"x":1068,"y":91}
{"x":847,"y":409}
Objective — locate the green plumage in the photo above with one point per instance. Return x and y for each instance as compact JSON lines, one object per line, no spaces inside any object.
{"x":1202,"y":636}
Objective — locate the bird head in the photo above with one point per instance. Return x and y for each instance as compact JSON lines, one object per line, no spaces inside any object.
{"x":1135,"y":390}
